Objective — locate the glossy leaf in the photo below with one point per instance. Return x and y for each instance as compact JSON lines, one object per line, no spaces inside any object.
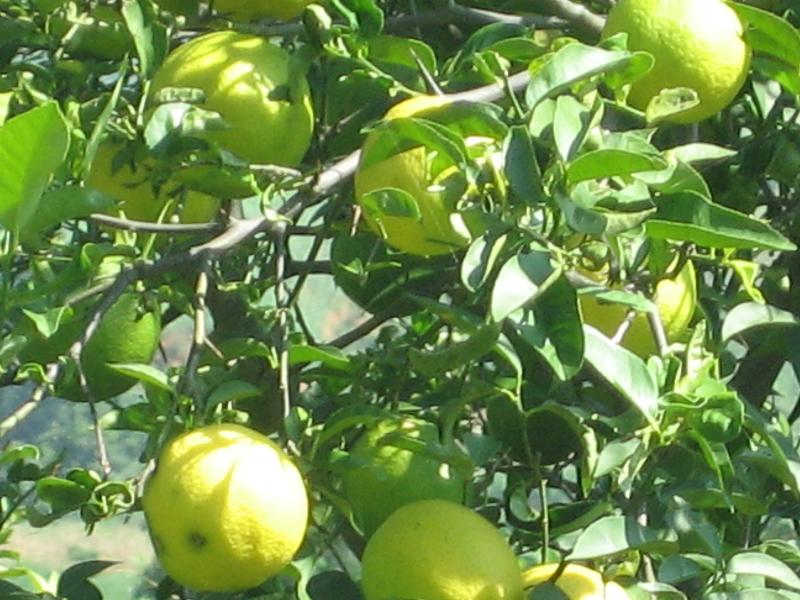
{"x":691,"y":217}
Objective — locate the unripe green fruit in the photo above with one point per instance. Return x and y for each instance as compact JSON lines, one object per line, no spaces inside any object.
{"x":127,"y":333}
{"x":391,"y":476}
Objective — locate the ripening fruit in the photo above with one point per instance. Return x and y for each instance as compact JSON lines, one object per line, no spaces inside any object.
{"x":130,"y":185}
{"x":390,"y":476}
{"x":438,"y":228}
{"x":260,"y":92}
{"x":697,"y":44}
{"x":576,"y":582}
{"x":226,"y":508}
{"x":438,"y":550}
{"x":676,"y":300}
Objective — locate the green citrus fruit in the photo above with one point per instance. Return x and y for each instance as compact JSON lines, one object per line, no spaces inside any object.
{"x":676,"y":300}
{"x":575,"y":582}
{"x":226,"y":508}
{"x":438,"y":550}
{"x":696,"y":44}
{"x":247,"y":10}
{"x":130,"y":185}
{"x":128,"y":333}
{"x":438,"y":228}
{"x":255,"y":87}
{"x":391,"y":476}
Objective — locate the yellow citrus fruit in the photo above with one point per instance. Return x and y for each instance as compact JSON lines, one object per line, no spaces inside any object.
{"x":247,"y":10}
{"x":438,"y":229}
{"x":131,"y":187}
{"x":696,"y":44}
{"x":226,"y":508}
{"x":439,"y":550}
{"x":676,"y":300}
{"x":255,"y":87}
{"x":575,"y":582}
{"x":390,"y":476}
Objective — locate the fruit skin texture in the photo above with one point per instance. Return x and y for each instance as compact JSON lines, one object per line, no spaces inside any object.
{"x":131,"y":187}
{"x":575,"y":581}
{"x":433,"y":233}
{"x":226,"y":508}
{"x":676,"y":300}
{"x":696,"y":44}
{"x":392,"y":476}
{"x":438,"y":550}
{"x":251,"y":83}
{"x":125,"y":335}
{"x":247,"y":10}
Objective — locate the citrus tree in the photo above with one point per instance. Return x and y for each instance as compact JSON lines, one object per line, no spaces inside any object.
{"x":479,"y":301}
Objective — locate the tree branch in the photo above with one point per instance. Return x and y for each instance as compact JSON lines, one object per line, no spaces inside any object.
{"x":148,"y":227}
{"x":580,"y":17}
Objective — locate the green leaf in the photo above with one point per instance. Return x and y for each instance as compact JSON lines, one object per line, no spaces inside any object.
{"x":231,"y":391}
{"x":613,"y":535}
{"x":756,"y":563}
{"x":520,"y":279}
{"x":699,"y":152}
{"x":670,"y":102}
{"x":408,"y":133}
{"x":691,"y":217}
{"x":751,"y":315}
{"x":327,"y":355}
{"x":769,"y":34}
{"x":362,"y":15}
{"x":480,"y":259}
{"x":5,"y":104}
{"x":63,"y":495}
{"x":63,"y":204}
{"x":577,"y":62}
{"x":584,"y":215}
{"x":553,"y":328}
{"x":332,"y":585}
{"x":522,"y":167}
{"x":390,"y":202}
{"x":625,"y":371}
{"x":21,"y":452}
{"x":570,"y":125}
{"x":609,"y":162}
{"x":32,"y":146}
{"x":614,"y":455}
{"x":150,"y":36}
{"x":553,"y":432}
{"x":456,"y":355}
{"x":145,"y":373}
{"x":72,"y":585}
{"x":749,"y":594}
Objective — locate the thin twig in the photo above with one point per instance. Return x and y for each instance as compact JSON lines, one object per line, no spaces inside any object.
{"x":443,"y":16}
{"x":283,"y":332}
{"x":360,"y":330}
{"x":577,"y":15}
{"x":198,"y":332}
{"x":659,"y":334}
{"x":32,"y":402}
{"x":623,"y":328}
{"x":148,"y":227}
